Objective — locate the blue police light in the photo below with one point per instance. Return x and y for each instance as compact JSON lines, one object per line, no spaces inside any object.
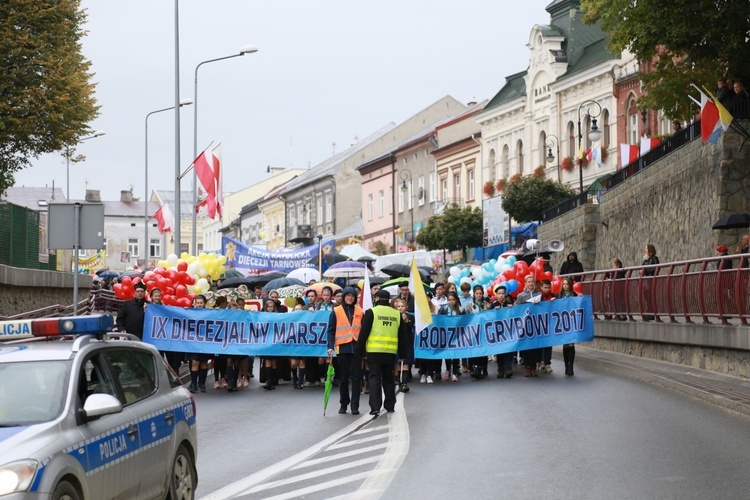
{"x":55,"y":327}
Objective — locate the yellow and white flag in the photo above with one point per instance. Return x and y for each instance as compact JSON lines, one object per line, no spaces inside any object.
{"x":422,"y":314}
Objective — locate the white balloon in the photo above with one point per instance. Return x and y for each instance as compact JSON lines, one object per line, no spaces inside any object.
{"x":172,"y":259}
{"x":455,"y":271}
{"x":466,"y":280}
{"x":203,"y":284}
{"x":505,"y":268}
{"x":193,"y":267}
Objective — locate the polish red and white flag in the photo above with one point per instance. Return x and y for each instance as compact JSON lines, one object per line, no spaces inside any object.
{"x":628,"y":154}
{"x":164,"y":219}
{"x":209,"y":172}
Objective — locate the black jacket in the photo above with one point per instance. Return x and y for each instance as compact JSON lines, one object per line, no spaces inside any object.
{"x":131,"y":315}
{"x":572,"y":266}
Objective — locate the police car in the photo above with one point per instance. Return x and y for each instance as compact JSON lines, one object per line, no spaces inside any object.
{"x":88,"y":415}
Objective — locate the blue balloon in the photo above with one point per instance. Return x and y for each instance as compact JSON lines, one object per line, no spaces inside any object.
{"x":511,"y":286}
{"x":465,"y":272}
{"x":511,"y":260}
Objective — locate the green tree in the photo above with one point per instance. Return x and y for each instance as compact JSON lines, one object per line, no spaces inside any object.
{"x":456,"y":229}
{"x":46,"y":93}
{"x":527,"y":198}
{"x":689,"y":42}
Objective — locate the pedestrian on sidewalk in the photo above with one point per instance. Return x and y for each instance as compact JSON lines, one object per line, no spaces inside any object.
{"x":569,"y":350}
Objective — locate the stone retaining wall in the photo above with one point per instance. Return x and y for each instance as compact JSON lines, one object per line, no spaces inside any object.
{"x":23,"y":290}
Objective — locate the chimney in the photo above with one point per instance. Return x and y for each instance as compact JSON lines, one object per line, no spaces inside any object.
{"x":126,"y":195}
{"x":93,"y":196}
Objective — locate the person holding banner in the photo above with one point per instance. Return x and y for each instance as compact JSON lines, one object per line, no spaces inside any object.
{"x":452,"y":307}
{"x":569,"y":350}
{"x":530,"y":295}
{"x":382,"y":341}
{"x":504,"y":360}
{"x":269,"y":363}
{"x":316,"y":369}
{"x":344,"y":328}
{"x":198,"y":361}
{"x":478,"y":304}
{"x":404,"y":371}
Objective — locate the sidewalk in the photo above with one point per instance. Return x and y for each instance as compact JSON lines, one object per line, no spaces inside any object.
{"x":726,"y":391}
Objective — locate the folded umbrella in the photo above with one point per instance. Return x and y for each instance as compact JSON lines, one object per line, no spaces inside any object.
{"x":328,"y":384}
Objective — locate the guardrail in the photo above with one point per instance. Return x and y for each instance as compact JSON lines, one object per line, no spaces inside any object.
{"x":562,"y":208}
{"x":715,"y":288}
{"x":85,"y":306}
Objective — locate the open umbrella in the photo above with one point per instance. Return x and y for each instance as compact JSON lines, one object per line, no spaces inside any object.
{"x":318,"y":287}
{"x":108,"y":274}
{"x":733,"y":221}
{"x":348,"y":269}
{"x":233,"y":273}
{"x":377,"y":280}
{"x":290,"y":291}
{"x":305,"y":274}
{"x":328,"y":385}
{"x":131,"y":272}
{"x":358,"y":252}
{"x":403,"y":270}
{"x":281,"y":283}
{"x":252,"y":280}
{"x":329,"y":258}
{"x":397,"y":282}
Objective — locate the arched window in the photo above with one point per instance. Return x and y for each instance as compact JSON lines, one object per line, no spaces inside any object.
{"x":632,"y":113}
{"x":605,"y":129}
{"x":519,"y":155}
{"x":571,"y":140}
{"x":542,"y":148}
{"x":492,"y":166}
{"x":506,"y":161}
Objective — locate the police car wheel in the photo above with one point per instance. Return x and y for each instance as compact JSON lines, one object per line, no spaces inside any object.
{"x":183,"y":479}
{"x":65,"y":491}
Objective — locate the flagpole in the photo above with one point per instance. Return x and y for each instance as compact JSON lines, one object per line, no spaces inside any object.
{"x":320,"y":257}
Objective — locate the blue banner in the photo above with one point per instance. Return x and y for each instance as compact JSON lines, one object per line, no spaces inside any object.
{"x":226,"y":331}
{"x":246,"y":258}
{"x":303,"y":333}
{"x":517,"y":328}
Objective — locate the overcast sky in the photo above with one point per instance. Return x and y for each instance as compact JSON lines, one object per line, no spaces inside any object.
{"x":327,"y":71}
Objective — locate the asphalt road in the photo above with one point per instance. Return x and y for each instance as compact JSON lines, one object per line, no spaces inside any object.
{"x":596,"y":435}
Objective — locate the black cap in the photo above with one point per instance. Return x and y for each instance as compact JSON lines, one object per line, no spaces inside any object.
{"x":383,"y":294}
{"x":139,"y":286}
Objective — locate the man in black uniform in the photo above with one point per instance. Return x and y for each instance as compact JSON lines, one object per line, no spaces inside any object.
{"x":132,"y":312}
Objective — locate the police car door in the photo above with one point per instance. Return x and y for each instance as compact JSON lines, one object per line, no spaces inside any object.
{"x":137,"y":376}
{"x":109,"y":442}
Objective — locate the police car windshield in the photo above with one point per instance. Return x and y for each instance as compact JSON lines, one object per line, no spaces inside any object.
{"x":32,"y":392}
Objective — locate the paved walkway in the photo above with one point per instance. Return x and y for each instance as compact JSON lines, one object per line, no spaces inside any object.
{"x":726,"y":391}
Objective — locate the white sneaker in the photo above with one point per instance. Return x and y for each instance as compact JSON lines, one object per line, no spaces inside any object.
{"x":454,"y":378}
{"x":429,"y":379}
{"x":423,"y":380}
{"x":548,"y":368}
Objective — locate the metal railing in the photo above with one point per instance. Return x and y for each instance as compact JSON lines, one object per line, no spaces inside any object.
{"x":715,"y":288}
{"x":562,"y":208}
{"x":85,"y":306}
{"x":669,"y":145}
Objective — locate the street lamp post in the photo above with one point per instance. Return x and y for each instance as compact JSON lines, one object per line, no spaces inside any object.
{"x":406,"y":174}
{"x":594,"y":135}
{"x":549,"y":143}
{"x":96,"y":134}
{"x":183,"y":102}
{"x":248,"y":49}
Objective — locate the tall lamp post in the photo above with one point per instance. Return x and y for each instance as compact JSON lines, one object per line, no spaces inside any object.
{"x":183,"y":102}
{"x":549,"y":143}
{"x":406,"y":174}
{"x":96,"y":134}
{"x":594,"y":135}
{"x":248,"y":49}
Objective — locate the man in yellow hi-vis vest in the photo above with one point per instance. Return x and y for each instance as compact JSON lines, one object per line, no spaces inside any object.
{"x":383,"y":340}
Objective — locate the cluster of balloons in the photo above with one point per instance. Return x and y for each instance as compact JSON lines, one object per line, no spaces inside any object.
{"x":179,"y":279}
{"x":510,"y":272}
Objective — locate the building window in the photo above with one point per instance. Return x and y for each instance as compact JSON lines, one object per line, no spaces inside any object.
{"x":329,"y":207}
{"x":369,"y":207}
{"x":433,"y":193}
{"x":300,"y":213}
{"x":605,"y":129}
{"x":470,"y":193}
{"x":571,"y":140}
{"x":133,"y":247}
{"x":185,"y":247}
{"x":319,"y":209}
{"x":444,"y":189}
{"x":492,"y":173}
{"x":155,"y":248}
{"x":519,"y":155}
{"x":632,"y":122}
{"x":420,"y":191}
{"x":381,"y":203}
{"x":506,"y":162}
{"x":457,"y":186}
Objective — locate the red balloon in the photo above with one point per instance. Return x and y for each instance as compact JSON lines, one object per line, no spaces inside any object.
{"x":190,"y":280}
{"x":118,"y":291}
{"x":509,"y":274}
{"x":556,"y":287}
{"x":150,"y":285}
{"x":183,"y":277}
{"x":160,"y":271}
{"x":169,"y":290}
{"x":548,"y":275}
{"x":172,"y":274}
{"x":191,"y":296}
{"x":182,"y":266}
{"x":149,"y":275}
{"x":183,"y":302}
{"x":127,"y":281}
{"x":136,"y":280}
{"x":577,"y":288}
{"x":180,"y":291}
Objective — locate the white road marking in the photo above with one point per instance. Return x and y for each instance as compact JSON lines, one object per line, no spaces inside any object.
{"x":338,"y":456}
{"x":375,"y":481}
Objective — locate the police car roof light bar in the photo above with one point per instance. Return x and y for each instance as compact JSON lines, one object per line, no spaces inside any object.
{"x":55,"y":327}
